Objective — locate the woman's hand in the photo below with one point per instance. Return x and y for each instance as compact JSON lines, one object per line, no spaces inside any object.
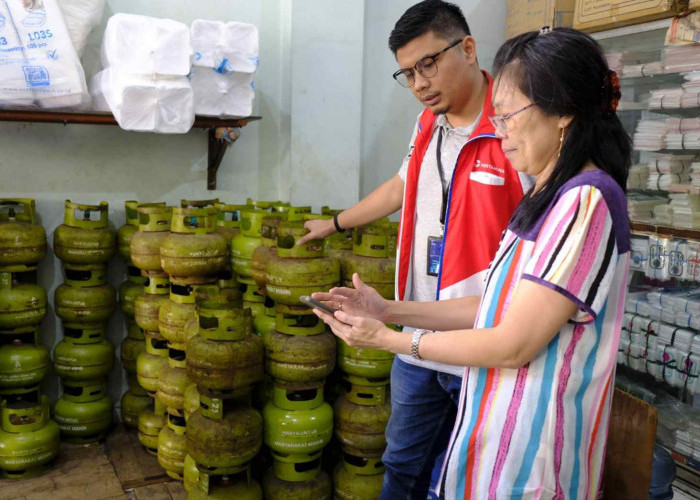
{"x":357,"y":331}
{"x":363,"y":300}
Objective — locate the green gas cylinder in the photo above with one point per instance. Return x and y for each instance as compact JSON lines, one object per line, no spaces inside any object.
{"x":296,"y":480}
{"x":224,"y":355}
{"x":288,"y":235}
{"x":22,"y":239}
{"x":361,"y":417}
{"x":297,"y":420}
{"x":299,"y":358}
{"x":147,"y":305}
{"x":151,"y":421}
{"x":133,"y":402}
{"x":83,"y":354}
{"x":151,"y":362}
{"x":267,"y":249}
{"x":23,"y":361}
{"x":28,"y":439}
{"x":154,"y":227}
{"x":364,"y":362}
{"x":125,"y":232}
{"x":84,"y":412}
{"x":228,"y":441}
{"x":130,"y":289}
{"x":22,"y":302}
{"x":85,"y":297}
{"x":358,"y":478}
{"x":84,"y":238}
{"x":225,"y":487}
{"x":289,"y":279}
{"x":244,"y":244}
{"x":173,"y":381}
{"x":193,"y":248}
{"x":172,"y":445}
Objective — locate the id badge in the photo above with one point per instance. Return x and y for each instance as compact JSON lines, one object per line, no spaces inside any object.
{"x":434,"y":255}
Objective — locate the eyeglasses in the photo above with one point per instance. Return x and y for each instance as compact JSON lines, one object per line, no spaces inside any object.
{"x":426,"y":67}
{"x":499,"y":121}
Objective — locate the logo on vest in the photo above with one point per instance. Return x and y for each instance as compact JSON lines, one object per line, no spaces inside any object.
{"x":485,"y":173}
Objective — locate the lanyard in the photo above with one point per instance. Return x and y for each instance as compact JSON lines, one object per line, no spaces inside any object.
{"x":445,"y":189}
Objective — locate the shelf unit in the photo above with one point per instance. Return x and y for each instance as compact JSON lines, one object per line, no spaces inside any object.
{"x":216,"y":147}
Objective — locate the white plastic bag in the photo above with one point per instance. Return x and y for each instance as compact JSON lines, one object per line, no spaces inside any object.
{"x":38,"y":64}
{"x":226,"y":47}
{"x":222,"y":95}
{"x":143,"y":45}
{"x":146,"y":104}
{"x":81,"y":17}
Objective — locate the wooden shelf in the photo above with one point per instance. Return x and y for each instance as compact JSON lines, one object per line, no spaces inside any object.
{"x":216,"y":147}
{"x":676,"y":232}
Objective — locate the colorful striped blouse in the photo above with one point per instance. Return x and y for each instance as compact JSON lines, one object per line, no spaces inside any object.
{"x":540,"y":431}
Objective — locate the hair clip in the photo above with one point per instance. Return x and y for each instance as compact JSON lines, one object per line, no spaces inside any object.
{"x":545,"y":29}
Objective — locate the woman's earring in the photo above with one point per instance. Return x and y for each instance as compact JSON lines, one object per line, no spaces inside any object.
{"x":561,"y":141}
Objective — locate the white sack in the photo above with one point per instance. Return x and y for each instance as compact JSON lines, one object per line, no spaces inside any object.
{"x":144,"y":103}
{"x":38,"y":63}
{"x":226,"y":47}
{"x":222,"y":95}
{"x":81,"y":17}
{"x":146,"y":45}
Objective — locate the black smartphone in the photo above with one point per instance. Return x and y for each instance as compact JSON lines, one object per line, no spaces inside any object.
{"x":315,"y":304}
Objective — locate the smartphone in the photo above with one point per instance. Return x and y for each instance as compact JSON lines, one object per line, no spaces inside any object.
{"x":315,"y":304}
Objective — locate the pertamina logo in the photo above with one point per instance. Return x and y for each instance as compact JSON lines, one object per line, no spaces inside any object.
{"x":485,"y":173}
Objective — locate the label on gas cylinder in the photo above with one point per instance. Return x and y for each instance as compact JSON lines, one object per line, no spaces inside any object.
{"x":305,"y":444}
{"x":16,"y":377}
{"x":342,"y":494}
{"x":29,"y":456}
{"x":71,"y":428}
{"x":22,"y":315}
{"x":277,"y":290}
{"x":241,"y":262}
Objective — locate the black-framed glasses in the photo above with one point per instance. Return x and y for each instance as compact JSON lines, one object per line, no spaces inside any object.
{"x":426,"y":67}
{"x":499,"y":121}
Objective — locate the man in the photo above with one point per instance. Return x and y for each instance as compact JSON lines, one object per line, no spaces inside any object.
{"x":457,"y":193}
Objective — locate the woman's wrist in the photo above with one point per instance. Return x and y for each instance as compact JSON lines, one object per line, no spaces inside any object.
{"x":396,"y":342}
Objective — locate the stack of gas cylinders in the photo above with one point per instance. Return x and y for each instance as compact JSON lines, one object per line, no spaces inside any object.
{"x":28,"y":438}
{"x":85,"y":242}
{"x":361,"y":415}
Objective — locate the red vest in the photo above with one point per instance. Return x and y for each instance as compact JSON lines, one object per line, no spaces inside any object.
{"x":484,"y":192}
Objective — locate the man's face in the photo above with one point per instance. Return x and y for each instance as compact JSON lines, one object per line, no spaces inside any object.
{"x":449,"y":87}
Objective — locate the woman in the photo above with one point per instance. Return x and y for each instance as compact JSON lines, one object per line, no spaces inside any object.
{"x":540,"y":346}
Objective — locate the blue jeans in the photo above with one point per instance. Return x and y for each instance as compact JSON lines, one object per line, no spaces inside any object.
{"x":423,"y":411}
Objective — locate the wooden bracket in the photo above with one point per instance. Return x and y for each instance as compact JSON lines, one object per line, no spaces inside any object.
{"x":217,"y":149}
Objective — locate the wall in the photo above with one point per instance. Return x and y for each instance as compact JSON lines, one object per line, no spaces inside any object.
{"x":334,"y":125}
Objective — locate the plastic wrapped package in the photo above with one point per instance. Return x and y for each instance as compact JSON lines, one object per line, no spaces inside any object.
{"x":692,"y":255}
{"x":658,"y":258}
{"x":222,"y":95}
{"x":38,"y":64}
{"x":81,"y":17}
{"x":146,"y":104}
{"x":225,"y":47}
{"x":639,"y":252}
{"x":142,"y":45}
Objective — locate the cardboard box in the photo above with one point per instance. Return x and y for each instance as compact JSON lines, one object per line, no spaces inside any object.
{"x":531,"y":15}
{"x":694,"y":4}
{"x":598,"y":15}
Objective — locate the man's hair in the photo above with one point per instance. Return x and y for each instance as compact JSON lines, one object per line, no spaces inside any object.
{"x":442,"y":18}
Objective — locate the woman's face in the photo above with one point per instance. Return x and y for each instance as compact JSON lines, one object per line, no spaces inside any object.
{"x":529,"y":139}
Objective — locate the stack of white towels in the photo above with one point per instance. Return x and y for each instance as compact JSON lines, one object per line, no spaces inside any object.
{"x":159,"y":73}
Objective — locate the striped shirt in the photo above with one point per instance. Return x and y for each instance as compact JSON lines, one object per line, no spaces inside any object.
{"x":540,"y":431}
